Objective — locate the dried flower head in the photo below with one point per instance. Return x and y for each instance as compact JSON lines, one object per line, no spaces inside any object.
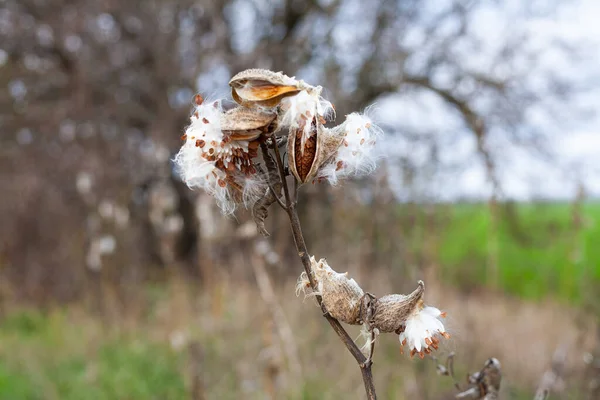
{"x":418,"y":326}
{"x":314,"y":151}
{"x":218,"y":150}
{"x":261,"y":87}
{"x":340,"y":294}
{"x":220,"y":147}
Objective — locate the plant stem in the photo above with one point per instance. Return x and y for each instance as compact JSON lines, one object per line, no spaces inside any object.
{"x":290,"y":208}
{"x":335,"y":324}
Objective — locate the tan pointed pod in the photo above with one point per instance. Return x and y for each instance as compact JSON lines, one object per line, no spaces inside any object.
{"x":341,"y":295}
{"x":319,"y":147}
{"x":342,"y":298}
{"x":392,"y":310}
{"x":263,"y":87}
{"x":248,"y":124}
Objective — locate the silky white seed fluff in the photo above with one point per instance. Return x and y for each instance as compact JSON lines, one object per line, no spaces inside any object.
{"x":303,"y":286}
{"x":421,"y":327}
{"x":195,"y":170}
{"x":254,"y":188}
{"x":203,"y":138}
{"x":356,"y":154}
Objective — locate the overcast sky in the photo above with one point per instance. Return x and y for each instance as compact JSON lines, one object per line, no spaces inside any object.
{"x":575,"y":139}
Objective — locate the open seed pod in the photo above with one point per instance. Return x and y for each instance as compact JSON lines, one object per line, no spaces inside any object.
{"x":341,"y":295}
{"x":418,"y":326}
{"x":310,"y":145}
{"x":247,"y":124}
{"x":392,"y":310}
{"x":263,"y":88}
{"x":218,"y":151}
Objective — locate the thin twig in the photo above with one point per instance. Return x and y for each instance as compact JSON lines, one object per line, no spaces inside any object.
{"x":275,"y":196}
{"x":447,"y":369}
{"x":363,"y":362}
{"x":450,"y":369}
{"x":286,"y":190}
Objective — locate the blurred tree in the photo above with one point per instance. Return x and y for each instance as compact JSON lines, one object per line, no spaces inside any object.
{"x":96,"y":93}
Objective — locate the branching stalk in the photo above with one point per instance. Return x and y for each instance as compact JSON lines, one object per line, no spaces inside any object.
{"x":290,"y":208}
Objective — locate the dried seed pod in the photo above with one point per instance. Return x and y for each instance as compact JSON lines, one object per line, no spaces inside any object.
{"x":242,"y":123}
{"x":302,"y":157}
{"x":340,"y":294}
{"x":342,"y":299}
{"x":310,"y":144}
{"x":418,"y":327}
{"x":263,"y":87}
{"x":391,"y":311}
{"x":305,"y":160}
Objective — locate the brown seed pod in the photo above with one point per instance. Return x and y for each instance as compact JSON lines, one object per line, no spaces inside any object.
{"x":392,"y":310}
{"x":302,"y":158}
{"x":320,"y":146}
{"x":247,"y":124}
{"x":342,"y":300}
{"x":340,"y":294}
{"x":262,"y":87}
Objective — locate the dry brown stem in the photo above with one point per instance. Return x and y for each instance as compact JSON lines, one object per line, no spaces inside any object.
{"x":290,"y":209}
{"x":260,"y":210}
{"x":448,"y":369}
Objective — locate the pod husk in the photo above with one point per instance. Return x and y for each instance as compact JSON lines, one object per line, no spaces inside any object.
{"x":318,"y":149}
{"x":242,"y":123}
{"x":261,"y":87}
{"x":392,"y":310}
{"x":341,"y":296}
{"x":342,"y":299}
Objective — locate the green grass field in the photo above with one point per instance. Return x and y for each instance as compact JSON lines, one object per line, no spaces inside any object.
{"x":538,"y":252}
{"x":45,"y":357}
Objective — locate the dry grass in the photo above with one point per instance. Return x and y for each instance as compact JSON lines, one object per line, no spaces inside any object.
{"x":523,"y":335}
{"x":242,"y":355}
{"x":234,"y":326}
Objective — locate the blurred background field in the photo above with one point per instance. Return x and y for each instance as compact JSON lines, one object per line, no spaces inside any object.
{"x":152,"y":344}
{"x":118,"y":282}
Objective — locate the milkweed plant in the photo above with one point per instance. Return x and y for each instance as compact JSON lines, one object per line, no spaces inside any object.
{"x":243,"y":153}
